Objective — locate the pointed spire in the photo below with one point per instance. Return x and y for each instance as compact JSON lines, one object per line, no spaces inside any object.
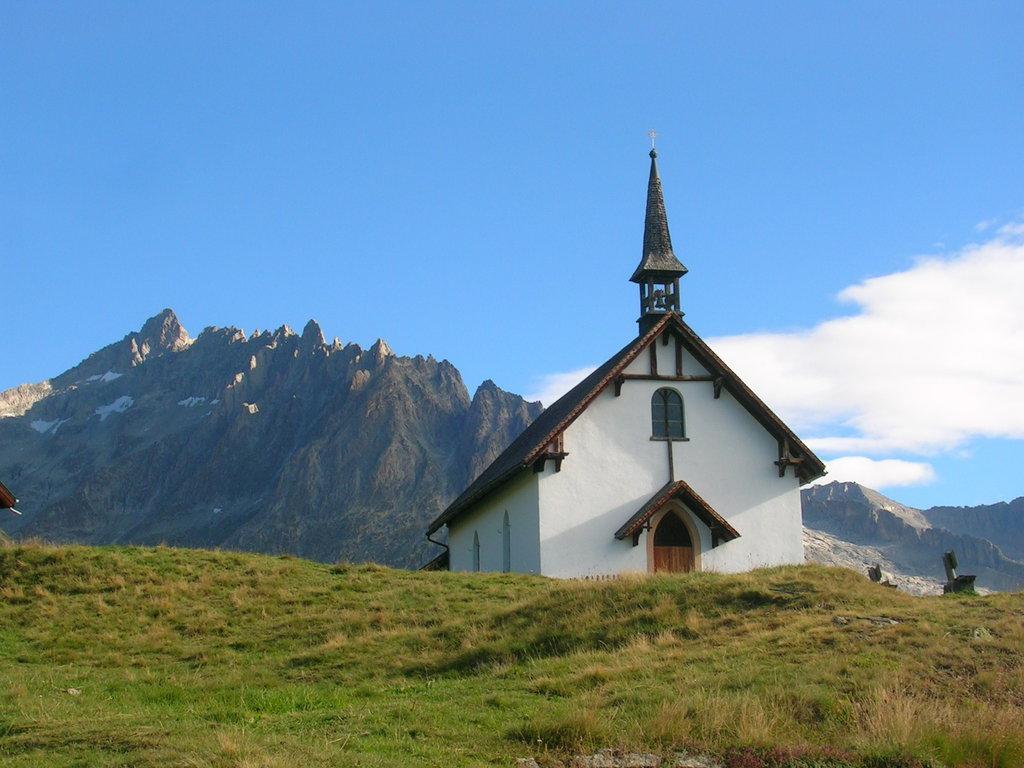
{"x":658,"y":256}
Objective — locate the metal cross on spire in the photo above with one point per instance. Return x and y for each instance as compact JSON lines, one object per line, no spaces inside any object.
{"x":653,"y":135}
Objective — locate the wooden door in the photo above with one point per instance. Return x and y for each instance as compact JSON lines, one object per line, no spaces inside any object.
{"x":673,"y":549}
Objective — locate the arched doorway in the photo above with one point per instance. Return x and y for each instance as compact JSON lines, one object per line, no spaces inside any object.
{"x":673,"y":547}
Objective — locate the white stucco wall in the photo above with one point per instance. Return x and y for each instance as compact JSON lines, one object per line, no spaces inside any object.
{"x":613,"y":467}
{"x":519,"y":498}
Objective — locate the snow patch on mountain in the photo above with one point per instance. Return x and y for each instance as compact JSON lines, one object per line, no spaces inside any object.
{"x":42,"y":427}
{"x":105,"y":377}
{"x":120,"y":405}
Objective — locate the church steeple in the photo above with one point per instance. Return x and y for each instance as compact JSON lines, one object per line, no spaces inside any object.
{"x":659,"y":270}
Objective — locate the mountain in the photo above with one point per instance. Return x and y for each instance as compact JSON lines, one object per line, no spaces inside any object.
{"x":275,"y":442}
{"x":1002,"y":522}
{"x":850,"y":525}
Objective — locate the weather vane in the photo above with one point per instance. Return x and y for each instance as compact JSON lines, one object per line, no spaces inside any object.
{"x":653,"y":134}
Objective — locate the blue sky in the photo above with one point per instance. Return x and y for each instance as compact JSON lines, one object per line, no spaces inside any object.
{"x":468,"y":180}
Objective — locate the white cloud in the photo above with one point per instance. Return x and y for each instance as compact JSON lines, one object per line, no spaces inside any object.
{"x":551,"y":386}
{"x":877,"y":473}
{"x":933,"y":358}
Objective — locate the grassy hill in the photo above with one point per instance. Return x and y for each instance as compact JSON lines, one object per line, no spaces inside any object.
{"x":160,"y":657}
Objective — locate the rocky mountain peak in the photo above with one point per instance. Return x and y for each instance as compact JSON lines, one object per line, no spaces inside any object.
{"x":312,"y":334}
{"x":160,"y":334}
{"x":854,"y":493}
{"x":165,"y":332}
{"x":487,"y":386}
{"x":380,"y":351}
{"x":837,"y":491}
{"x":489,"y":396}
{"x":492,"y":405}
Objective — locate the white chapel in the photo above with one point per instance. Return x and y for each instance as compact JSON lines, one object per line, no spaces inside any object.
{"x":662,"y":459}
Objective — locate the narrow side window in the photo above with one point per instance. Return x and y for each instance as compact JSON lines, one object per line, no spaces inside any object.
{"x":506,"y":544}
{"x":476,"y":551}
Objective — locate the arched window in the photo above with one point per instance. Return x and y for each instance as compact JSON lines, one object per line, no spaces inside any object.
{"x":506,"y":544}
{"x":667,"y":414}
{"x":476,"y":551}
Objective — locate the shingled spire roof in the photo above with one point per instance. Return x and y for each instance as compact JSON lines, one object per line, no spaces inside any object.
{"x":658,"y":256}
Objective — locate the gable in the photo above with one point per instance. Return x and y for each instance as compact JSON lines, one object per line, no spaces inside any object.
{"x":542,"y":438}
{"x":679,"y":489}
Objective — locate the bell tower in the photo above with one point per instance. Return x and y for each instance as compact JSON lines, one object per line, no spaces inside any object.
{"x":659,"y":270}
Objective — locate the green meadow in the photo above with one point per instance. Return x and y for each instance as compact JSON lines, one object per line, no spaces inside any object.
{"x":170,"y":657}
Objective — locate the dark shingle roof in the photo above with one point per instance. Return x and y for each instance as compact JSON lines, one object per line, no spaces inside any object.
{"x":531,"y":442}
{"x":682,"y":491}
{"x":658,"y":255}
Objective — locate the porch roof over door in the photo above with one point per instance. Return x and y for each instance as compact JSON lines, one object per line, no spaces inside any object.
{"x":682,"y":491}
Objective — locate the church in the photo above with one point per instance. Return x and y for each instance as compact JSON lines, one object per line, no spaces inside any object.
{"x":661,"y":460}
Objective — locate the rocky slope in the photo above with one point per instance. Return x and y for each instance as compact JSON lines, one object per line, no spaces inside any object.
{"x":273,"y":441}
{"x":825,"y":549}
{"x":1002,"y":523}
{"x":850,"y":525}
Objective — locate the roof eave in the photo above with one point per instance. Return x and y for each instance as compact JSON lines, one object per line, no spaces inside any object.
{"x":7,"y":499}
{"x":639,"y":345}
{"x":459,"y":506}
{"x":819,"y":471}
{"x":756,"y":406}
{"x":643,"y":271}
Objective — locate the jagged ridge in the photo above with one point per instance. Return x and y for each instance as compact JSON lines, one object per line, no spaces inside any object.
{"x":273,"y":442}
